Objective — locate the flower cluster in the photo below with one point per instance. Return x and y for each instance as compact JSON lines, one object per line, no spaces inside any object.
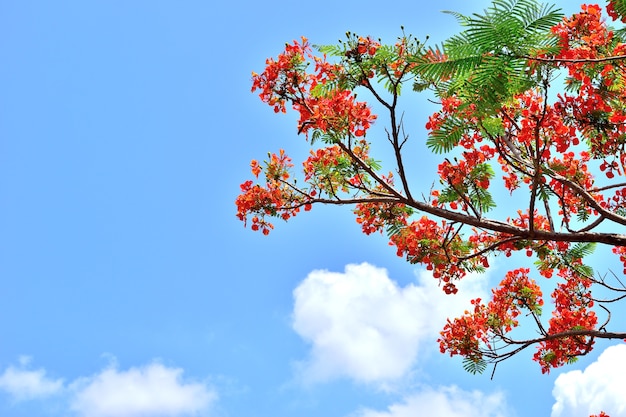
{"x":325,"y":109}
{"x":583,"y":36}
{"x":286,"y":79}
{"x":572,"y":303}
{"x":332,"y":169}
{"x":339,"y":113}
{"x":375,"y":217}
{"x":276,"y":199}
{"x":471,"y":333}
{"x":440,"y":249}
{"x":613,"y":13}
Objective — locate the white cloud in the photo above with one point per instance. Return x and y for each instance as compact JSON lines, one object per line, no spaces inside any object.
{"x":600,"y":387}
{"x":23,"y":384}
{"x":445,"y":402}
{"x":364,"y":326}
{"x":152,"y":390}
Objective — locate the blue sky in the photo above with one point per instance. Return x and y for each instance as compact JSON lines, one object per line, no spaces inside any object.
{"x":129,"y":288}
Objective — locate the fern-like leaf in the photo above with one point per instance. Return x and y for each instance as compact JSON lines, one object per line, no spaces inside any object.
{"x":487,"y":62}
{"x":474,"y":365}
{"x":447,"y":136}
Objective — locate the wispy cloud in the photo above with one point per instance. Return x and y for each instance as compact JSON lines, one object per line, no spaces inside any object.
{"x":600,"y":387}
{"x":24,"y":384}
{"x":151,"y":390}
{"x":444,"y":401}
{"x":363,"y":325}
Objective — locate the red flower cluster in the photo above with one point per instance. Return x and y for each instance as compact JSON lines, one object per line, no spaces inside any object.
{"x":572,"y":300}
{"x":439,"y":248}
{"x":375,"y":217}
{"x":276,"y":199}
{"x":330,"y":170}
{"x":487,"y":324}
{"x":287,"y":80}
{"x":610,"y":9}
{"x":339,"y":113}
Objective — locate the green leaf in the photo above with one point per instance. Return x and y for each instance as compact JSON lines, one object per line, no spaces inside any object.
{"x":486,"y":63}
{"x":375,"y":165}
{"x":482,"y":199}
{"x":580,"y":250}
{"x":582,"y":215}
{"x":474,"y":365}
{"x":332,"y":50}
{"x":549,"y":357}
{"x":447,"y":136}
{"x":394,"y":229}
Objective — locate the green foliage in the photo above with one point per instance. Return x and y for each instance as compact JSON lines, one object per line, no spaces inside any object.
{"x":580,"y":250}
{"x":480,"y":198}
{"x":447,"y":136}
{"x":359,"y":66}
{"x":492,"y":127}
{"x":487,"y":62}
{"x":474,"y":365}
{"x":548,"y":357}
{"x":582,"y":215}
{"x":332,"y":50}
{"x":328,"y":138}
{"x":544,"y":193}
{"x":568,"y":259}
{"x":394,"y":229}
{"x":528,"y":295}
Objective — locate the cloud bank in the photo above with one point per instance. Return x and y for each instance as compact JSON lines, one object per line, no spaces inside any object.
{"x":364,"y":326}
{"x":23,"y":384}
{"x":152,"y":390}
{"x":600,"y":387}
{"x":444,"y":401}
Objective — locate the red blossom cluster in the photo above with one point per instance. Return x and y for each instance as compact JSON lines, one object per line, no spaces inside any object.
{"x":439,"y":248}
{"x":597,"y":111}
{"x":335,"y":112}
{"x":286,"y":80}
{"x":375,"y":217}
{"x":572,"y":303}
{"x":583,"y":35}
{"x":613,"y":13}
{"x":330,"y":170}
{"x":365,"y":46}
{"x":277,"y":198}
{"x":489,"y":323}
{"x":540,"y":146}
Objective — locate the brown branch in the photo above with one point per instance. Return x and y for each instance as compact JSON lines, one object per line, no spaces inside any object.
{"x":608,"y":187}
{"x":570,"y":333}
{"x":574,"y":60}
{"x":589,"y":199}
{"x":488,"y":248}
{"x":510,"y":231}
{"x":496,"y":357}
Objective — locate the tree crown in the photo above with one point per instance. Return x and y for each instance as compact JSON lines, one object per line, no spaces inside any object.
{"x":531,"y":104}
